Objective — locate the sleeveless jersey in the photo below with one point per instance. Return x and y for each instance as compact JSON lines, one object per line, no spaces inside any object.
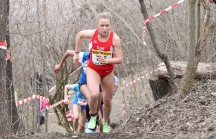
{"x":104,"y":48}
{"x":78,"y":94}
{"x":83,"y":56}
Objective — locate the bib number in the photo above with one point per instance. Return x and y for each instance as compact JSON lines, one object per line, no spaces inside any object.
{"x":106,"y":54}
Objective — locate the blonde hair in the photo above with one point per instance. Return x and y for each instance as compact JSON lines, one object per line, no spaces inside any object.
{"x":105,"y":15}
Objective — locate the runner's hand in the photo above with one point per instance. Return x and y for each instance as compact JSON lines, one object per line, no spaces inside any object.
{"x":101,"y":58}
{"x":66,"y":101}
{"x":57,"y":68}
{"x":76,"y":58}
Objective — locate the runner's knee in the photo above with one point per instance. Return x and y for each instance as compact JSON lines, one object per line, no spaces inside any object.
{"x":76,"y":118}
{"x":82,"y":126}
{"x":107,"y":101}
{"x":94,"y":96}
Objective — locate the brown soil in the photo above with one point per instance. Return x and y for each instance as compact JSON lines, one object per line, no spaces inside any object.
{"x":170,"y":118}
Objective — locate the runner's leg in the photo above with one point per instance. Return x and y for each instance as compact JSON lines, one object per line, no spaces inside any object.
{"x":93,"y":82}
{"x":107,"y":85}
{"x":76,"y":110}
{"x":82,"y":120}
{"x":99,"y":109}
{"x":85,"y":91}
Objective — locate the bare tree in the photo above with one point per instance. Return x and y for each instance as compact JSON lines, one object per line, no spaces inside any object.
{"x":4,"y":103}
{"x":9,"y":81}
{"x":195,"y":48}
{"x":164,"y":57}
{"x":60,"y":24}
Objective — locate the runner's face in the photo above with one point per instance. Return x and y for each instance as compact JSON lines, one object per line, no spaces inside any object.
{"x":104,"y":26}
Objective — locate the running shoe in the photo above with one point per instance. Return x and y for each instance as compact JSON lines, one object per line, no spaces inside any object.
{"x":92,"y":123}
{"x":75,"y":133}
{"x":105,"y":128}
{"x":90,"y":131}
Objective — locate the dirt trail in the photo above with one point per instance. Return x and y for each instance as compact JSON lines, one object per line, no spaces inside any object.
{"x":170,"y":118}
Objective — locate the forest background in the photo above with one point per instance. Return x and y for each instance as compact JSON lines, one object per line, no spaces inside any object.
{"x":41,"y":31}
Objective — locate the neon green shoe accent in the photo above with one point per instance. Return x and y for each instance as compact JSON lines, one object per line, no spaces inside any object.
{"x":105,"y":128}
{"x":92,"y":123}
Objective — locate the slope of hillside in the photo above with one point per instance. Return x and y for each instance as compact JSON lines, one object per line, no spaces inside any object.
{"x":170,"y":118}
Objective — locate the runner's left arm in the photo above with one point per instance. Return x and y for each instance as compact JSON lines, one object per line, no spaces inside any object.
{"x":118,"y":51}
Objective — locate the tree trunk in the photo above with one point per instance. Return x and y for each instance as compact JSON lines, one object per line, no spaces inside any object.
{"x":193,"y":49}
{"x":5,"y":128}
{"x":191,"y":68}
{"x":9,"y":82}
{"x":198,"y":20}
{"x":160,"y":53}
{"x":204,"y":70}
{"x":159,"y":87}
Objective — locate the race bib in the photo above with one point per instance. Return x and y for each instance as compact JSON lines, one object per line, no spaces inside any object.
{"x":106,"y":54}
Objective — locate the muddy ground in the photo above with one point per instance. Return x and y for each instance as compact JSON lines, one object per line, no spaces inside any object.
{"x":191,"y":118}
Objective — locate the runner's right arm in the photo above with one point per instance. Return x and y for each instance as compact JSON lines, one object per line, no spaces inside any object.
{"x":66,"y":54}
{"x":82,"y":34}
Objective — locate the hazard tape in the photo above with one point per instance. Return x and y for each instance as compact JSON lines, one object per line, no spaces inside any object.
{"x":69,"y":116}
{"x":3,"y":45}
{"x":144,"y":32}
{"x":32,"y":98}
{"x":138,"y":79}
{"x":48,"y":107}
{"x":131,"y":83}
{"x":160,"y":13}
{"x":68,"y":76}
{"x":42,"y":98}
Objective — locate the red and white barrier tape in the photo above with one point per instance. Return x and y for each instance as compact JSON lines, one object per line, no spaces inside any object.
{"x":162,"y":12}
{"x":68,"y":76}
{"x":144,"y":32}
{"x":32,"y":98}
{"x":3,"y":45}
{"x":138,"y":79}
{"x":54,"y":105}
{"x":69,"y":116}
{"x":46,"y":100}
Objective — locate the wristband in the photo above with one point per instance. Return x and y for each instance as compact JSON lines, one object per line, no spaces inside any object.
{"x":76,"y":52}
